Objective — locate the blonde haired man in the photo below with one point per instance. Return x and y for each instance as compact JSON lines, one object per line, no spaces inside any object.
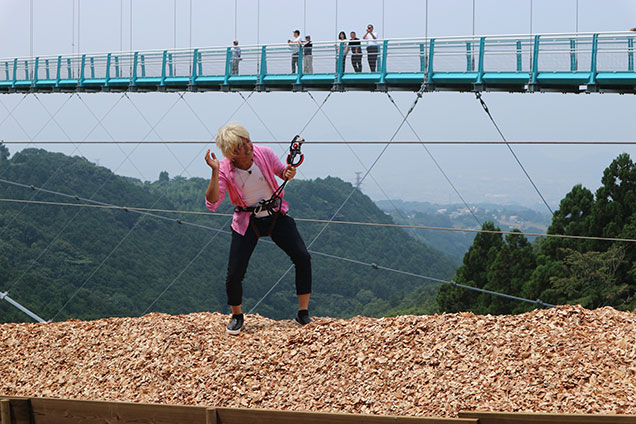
{"x":248,"y":175}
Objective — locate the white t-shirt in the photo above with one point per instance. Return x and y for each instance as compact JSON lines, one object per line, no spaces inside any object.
{"x":370,"y":40}
{"x":254,"y":186}
{"x":294,"y":46}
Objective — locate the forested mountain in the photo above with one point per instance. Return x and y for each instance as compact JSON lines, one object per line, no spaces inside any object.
{"x":592,"y":273}
{"x":117,"y":263}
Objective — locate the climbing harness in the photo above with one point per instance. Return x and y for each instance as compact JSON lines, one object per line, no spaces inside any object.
{"x":274,"y":203}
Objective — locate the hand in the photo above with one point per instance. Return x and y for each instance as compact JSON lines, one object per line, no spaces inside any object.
{"x":212,"y":161}
{"x":289,"y":172}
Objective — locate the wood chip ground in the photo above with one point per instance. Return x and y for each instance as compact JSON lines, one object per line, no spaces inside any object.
{"x":564,"y":360}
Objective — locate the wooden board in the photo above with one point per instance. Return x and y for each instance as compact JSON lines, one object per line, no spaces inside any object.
{"x":63,"y":411}
{"x":267,"y":416}
{"x":541,"y":418}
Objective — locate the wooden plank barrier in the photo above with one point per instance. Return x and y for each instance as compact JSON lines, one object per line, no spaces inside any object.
{"x":21,"y":410}
{"x":543,"y":418}
{"x":270,"y":416}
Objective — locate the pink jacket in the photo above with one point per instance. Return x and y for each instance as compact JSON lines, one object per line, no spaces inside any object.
{"x":270,"y":166}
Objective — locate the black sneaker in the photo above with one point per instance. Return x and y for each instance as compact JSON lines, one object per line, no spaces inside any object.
{"x":234,"y":327}
{"x":302,"y":318}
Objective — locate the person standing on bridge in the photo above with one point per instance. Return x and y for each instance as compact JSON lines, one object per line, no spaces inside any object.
{"x":248,"y":175}
{"x":356,"y":52}
{"x":308,"y":61}
{"x":342,"y":39}
{"x":372,"y":47}
{"x":294,"y":46}
{"x":236,"y":58}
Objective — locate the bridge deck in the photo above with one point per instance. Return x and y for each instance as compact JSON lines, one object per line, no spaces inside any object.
{"x":557,"y":62}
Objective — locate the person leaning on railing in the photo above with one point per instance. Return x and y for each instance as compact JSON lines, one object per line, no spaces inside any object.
{"x":294,"y":46}
{"x":248,"y":173}
{"x":633,"y":29}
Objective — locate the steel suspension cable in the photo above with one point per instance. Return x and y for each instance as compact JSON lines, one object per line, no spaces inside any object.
{"x":136,"y":223}
{"x":127,"y":156}
{"x":36,"y":260}
{"x":152,"y":127}
{"x":100,"y":205}
{"x":336,"y":142}
{"x":357,"y":157}
{"x":417,"y":98}
{"x":245,"y":99}
{"x":439,"y":167}
{"x":14,"y":217}
{"x":485,"y":107}
{"x":219,"y":230}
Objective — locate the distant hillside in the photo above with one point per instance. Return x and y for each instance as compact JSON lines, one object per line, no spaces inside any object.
{"x":116,"y":263}
{"x":455,"y":244}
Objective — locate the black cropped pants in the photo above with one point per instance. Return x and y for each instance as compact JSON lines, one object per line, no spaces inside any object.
{"x":285,"y":234}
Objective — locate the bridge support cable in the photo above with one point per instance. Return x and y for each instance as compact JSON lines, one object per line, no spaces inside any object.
{"x":10,"y":112}
{"x":151,"y":211}
{"x":70,"y":220}
{"x":352,"y":142}
{"x":5,"y":296}
{"x":439,"y":167}
{"x":417,"y":98}
{"x":126,"y":155}
{"x":153,"y":127}
{"x":76,"y":149}
{"x":373,"y":265}
{"x":245,"y":101}
{"x":76,"y":197}
{"x":358,"y":158}
{"x":485,"y":107}
{"x":537,"y":302}
{"x":226,"y":223}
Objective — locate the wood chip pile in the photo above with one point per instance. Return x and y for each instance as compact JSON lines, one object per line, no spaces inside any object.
{"x":565,"y":360}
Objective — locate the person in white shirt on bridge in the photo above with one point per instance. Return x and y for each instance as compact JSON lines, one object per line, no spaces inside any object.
{"x":294,"y":46}
{"x":372,"y":47}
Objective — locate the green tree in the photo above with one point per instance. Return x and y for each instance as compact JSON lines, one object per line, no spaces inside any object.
{"x":508,"y":273}
{"x":591,"y":278}
{"x":473,"y":271}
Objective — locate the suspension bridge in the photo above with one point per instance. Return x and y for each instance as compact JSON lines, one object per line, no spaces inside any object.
{"x":568,"y":63}
{"x":571,"y":63}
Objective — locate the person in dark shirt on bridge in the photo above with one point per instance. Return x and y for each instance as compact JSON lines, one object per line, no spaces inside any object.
{"x":248,"y":173}
{"x":308,"y":62}
{"x":356,"y":52}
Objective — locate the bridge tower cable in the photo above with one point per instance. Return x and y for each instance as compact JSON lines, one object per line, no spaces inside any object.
{"x":220,"y":230}
{"x":439,"y":167}
{"x":358,"y":178}
{"x":139,"y":220}
{"x":417,"y":98}
{"x":485,"y":107}
{"x":31,"y":138}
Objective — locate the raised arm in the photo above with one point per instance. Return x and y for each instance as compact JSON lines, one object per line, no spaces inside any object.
{"x":212,"y":193}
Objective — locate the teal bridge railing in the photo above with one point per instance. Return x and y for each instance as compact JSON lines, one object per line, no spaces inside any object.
{"x":580,"y":62}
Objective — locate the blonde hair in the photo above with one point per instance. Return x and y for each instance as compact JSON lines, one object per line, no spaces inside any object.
{"x":228,"y":139}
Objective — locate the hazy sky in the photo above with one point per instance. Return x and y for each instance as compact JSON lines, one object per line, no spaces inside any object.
{"x":481,"y":173}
